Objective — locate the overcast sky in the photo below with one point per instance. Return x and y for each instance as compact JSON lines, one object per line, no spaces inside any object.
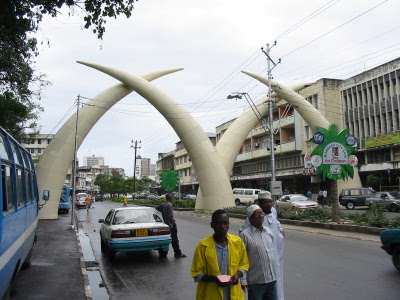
{"x":213,"y":41}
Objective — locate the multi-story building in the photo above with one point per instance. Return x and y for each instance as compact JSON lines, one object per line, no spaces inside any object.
{"x":37,"y":144}
{"x":252,"y":168}
{"x":90,"y":161}
{"x":145,"y":164}
{"x":370,"y":109}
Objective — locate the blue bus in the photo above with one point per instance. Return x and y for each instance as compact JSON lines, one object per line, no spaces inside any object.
{"x":65,"y":199}
{"x":19,"y":204}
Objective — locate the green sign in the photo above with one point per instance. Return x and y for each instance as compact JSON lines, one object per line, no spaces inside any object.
{"x":169,"y":179}
{"x":332,"y":156}
{"x":388,"y":139}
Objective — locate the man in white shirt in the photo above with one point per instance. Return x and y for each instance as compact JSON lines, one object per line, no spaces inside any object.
{"x":263,"y":271}
{"x":272,"y":223}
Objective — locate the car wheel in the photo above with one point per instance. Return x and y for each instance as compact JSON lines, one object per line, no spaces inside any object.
{"x":350,"y":205}
{"x":162,"y":253}
{"x":237,"y":202}
{"x":393,"y":208}
{"x":396,"y":257}
{"x":102,"y":244}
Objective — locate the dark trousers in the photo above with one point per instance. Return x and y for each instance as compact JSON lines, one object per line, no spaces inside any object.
{"x":175,"y":240}
{"x":266,"y":291}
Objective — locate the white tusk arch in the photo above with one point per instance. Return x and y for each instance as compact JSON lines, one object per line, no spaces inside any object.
{"x":59,"y":154}
{"x":214,"y":181}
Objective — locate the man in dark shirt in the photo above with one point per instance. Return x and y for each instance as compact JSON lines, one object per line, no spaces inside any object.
{"x":168,"y":216}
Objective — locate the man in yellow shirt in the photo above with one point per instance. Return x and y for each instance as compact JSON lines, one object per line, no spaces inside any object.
{"x":219,"y":254}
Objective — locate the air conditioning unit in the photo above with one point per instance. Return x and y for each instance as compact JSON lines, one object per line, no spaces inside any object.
{"x":256,"y":144}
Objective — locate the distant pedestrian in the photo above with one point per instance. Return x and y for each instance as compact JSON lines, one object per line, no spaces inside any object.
{"x":325,"y":194}
{"x":125,"y":200}
{"x":168,"y":216}
{"x":93,"y":200}
{"x":309,"y":194}
{"x":88,"y":201}
{"x":320,"y":197}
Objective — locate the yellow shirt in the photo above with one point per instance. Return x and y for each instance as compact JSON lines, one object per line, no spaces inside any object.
{"x":205,"y":261}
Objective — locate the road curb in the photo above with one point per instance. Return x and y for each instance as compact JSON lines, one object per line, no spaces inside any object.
{"x":86,"y":283}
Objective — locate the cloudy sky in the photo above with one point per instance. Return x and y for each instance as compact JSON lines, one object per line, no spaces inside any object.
{"x":213,"y":40}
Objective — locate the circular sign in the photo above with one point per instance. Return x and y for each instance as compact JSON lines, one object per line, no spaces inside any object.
{"x":318,"y":138}
{"x":350,"y":140}
{"x":353,"y":160}
{"x":316,"y":160}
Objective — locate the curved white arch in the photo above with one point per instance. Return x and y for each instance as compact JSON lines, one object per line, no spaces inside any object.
{"x":213,"y":178}
{"x":309,"y":113}
{"x":59,"y":154}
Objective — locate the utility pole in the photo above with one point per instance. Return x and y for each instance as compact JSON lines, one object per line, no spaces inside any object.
{"x":134,"y":166}
{"x":271,"y":114}
{"x":74,"y":163}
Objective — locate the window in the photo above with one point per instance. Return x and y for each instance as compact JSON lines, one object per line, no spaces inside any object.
{"x":3,"y":150}
{"x":8,"y":192}
{"x":248,"y":147}
{"x":39,"y":141}
{"x":28,"y":187}
{"x":20,"y":189}
{"x":239,"y":192}
{"x":17,"y":157}
{"x":248,"y":192}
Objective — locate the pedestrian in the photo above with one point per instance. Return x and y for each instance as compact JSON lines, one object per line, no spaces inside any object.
{"x":325,"y":194}
{"x":309,"y":194}
{"x":125,"y":200}
{"x":261,"y":279}
{"x":93,"y":200}
{"x":320,"y":197}
{"x":219,"y":254}
{"x":88,"y":201}
{"x":168,"y":216}
{"x":272,"y":223}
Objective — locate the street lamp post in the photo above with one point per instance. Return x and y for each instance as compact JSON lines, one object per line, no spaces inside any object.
{"x":134,"y":166}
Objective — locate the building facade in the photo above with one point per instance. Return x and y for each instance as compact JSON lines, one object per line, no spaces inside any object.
{"x":90,"y":161}
{"x":37,"y":144}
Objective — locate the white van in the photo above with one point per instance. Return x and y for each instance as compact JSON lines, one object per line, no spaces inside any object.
{"x":81,"y":199}
{"x":243,"y":196}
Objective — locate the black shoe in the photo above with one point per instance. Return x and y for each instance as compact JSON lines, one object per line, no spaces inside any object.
{"x":180,"y":255}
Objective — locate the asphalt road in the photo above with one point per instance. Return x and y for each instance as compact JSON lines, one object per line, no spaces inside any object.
{"x":317,"y":265}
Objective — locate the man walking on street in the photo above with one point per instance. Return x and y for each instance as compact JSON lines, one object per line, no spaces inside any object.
{"x":263,"y":272}
{"x":325,"y":194}
{"x":217,"y":255}
{"x":88,"y":201}
{"x":272,"y":223}
{"x":168,"y":216}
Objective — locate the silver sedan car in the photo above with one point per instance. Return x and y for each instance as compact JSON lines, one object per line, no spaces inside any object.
{"x":129,"y":229}
{"x":388,"y":200}
{"x":296,"y":201}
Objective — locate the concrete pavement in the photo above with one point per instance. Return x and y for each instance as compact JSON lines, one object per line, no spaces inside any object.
{"x":57,"y":269}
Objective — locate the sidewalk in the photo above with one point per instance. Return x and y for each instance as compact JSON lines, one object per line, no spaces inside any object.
{"x":56,"y":271}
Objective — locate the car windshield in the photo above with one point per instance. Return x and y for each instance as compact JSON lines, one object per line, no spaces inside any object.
{"x":135,"y":216}
{"x":395,"y":194}
{"x":298,"y":198}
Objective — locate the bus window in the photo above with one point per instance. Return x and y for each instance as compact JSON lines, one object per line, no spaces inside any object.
{"x":8,"y":197}
{"x":28,"y":187}
{"x":26,"y":161}
{"x":17,"y":157}
{"x":20,"y":189}
{"x":3,"y":149}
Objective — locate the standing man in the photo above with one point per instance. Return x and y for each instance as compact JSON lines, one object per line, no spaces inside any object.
{"x":325,"y":194}
{"x":168,"y":216}
{"x":219,"y":254}
{"x":263,"y":273}
{"x":320,"y":197}
{"x":309,"y":194}
{"x":272,"y":223}
{"x":88,"y":201}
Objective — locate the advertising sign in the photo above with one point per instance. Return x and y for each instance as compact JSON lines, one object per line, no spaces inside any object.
{"x":332,"y":156}
{"x":388,"y":139}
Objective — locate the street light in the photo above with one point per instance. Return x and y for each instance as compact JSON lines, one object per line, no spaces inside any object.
{"x":134,"y":166}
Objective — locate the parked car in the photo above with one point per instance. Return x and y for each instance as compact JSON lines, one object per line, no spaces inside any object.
{"x":80,"y":200}
{"x":131,"y":229}
{"x":388,"y":200}
{"x":390,"y":239}
{"x":296,"y":201}
{"x":151,"y":197}
{"x":353,"y":197}
{"x":189,"y":197}
{"x":242,"y":195}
